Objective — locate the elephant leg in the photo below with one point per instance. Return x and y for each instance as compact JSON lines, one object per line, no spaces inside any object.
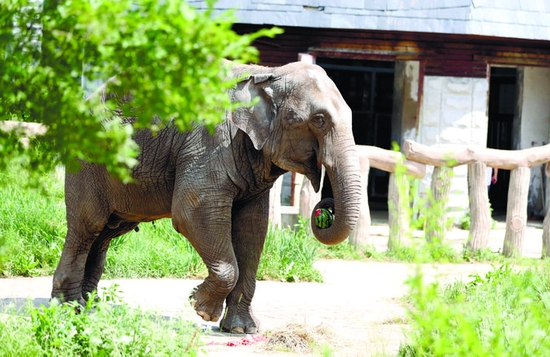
{"x":248,"y":243}
{"x":69,"y":274}
{"x":98,"y":253}
{"x":87,"y":214}
{"x":208,"y":229}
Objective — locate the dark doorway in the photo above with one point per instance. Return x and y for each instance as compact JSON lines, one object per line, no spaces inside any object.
{"x":367,"y":87}
{"x":502,"y":106}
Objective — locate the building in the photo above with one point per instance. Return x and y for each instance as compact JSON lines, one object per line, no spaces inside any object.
{"x":441,"y":72}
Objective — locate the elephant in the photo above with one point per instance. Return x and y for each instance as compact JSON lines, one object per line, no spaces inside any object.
{"x":215,"y":187}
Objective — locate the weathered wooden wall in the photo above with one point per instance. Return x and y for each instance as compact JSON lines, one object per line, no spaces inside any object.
{"x":440,"y":54}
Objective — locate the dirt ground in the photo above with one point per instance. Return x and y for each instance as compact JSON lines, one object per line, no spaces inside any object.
{"x":358,"y":307}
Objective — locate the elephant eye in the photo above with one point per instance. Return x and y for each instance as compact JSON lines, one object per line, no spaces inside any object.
{"x":319,"y":121}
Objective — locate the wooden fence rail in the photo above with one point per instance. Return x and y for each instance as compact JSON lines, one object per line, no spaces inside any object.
{"x":413,"y":161}
{"x":518,"y":161}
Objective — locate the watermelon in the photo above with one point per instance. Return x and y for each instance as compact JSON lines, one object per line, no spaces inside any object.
{"x":323,"y":218}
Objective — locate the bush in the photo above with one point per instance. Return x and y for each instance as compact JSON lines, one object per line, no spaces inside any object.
{"x":99,"y":329}
{"x":504,"y":313}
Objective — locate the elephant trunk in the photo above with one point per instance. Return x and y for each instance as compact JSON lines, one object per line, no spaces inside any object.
{"x":344,"y":174}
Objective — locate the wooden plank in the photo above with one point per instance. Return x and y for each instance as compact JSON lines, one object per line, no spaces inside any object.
{"x":501,"y":159}
{"x":290,"y":209}
{"x":438,"y":49}
{"x":387,"y":160}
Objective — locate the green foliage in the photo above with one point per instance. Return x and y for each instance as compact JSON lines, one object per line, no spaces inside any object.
{"x":170,"y":55}
{"x":424,"y":252}
{"x":417,"y":212}
{"x":289,"y":255}
{"x":344,"y":250}
{"x":156,"y":251}
{"x":504,"y":313}
{"x":466,"y":221}
{"x":33,"y":223}
{"x":487,"y":255}
{"x":99,"y":329}
{"x":34,"y":229}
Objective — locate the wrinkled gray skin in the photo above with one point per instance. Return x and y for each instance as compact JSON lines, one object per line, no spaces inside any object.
{"x":216,"y":187}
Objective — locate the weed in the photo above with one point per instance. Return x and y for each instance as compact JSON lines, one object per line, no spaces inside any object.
{"x":99,"y":329}
{"x":33,"y":224}
{"x":465,"y":221}
{"x":289,"y":255}
{"x":345,"y":250}
{"x":504,"y":313}
{"x":33,"y":230}
{"x":157,"y":250}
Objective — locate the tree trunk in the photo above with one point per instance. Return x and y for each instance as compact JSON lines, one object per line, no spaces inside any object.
{"x":516,"y":212}
{"x":360,"y":236}
{"x":398,"y":210}
{"x":436,"y":219}
{"x":480,"y":214}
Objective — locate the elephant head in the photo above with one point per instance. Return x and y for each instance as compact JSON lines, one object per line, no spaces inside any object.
{"x":300,"y":122}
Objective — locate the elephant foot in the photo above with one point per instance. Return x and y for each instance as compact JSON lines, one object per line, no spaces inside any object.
{"x":68,"y":295}
{"x":242,"y":322}
{"x":210,"y":309}
{"x":61,"y":298}
{"x":89,"y":290}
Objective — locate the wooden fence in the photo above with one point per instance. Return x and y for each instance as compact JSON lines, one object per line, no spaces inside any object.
{"x":412,"y":162}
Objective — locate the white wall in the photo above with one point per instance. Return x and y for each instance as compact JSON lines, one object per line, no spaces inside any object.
{"x":535,"y":125}
{"x":453,"y":114}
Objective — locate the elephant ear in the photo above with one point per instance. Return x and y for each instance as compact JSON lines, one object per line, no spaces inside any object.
{"x":256,"y":120}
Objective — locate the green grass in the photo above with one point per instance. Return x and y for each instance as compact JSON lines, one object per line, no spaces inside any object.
{"x":105,"y":328}
{"x":156,"y":251}
{"x":159,"y":251}
{"x":32,"y":225}
{"x":33,"y":230}
{"x":289,"y":255}
{"x":504,"y":313}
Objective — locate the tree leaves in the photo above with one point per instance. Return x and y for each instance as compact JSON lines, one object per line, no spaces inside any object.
{"x":168,"y":55}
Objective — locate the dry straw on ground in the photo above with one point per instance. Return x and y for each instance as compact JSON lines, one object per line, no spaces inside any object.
{"x":299,"y":338}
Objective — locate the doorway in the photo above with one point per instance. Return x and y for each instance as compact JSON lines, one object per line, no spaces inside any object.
{"x":367,"y":87}
{"x":502,"y":107}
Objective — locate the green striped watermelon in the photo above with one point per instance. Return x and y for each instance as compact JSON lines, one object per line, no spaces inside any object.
{"x":323,"y":218}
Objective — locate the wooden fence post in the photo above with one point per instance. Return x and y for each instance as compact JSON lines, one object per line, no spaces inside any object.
{"x":480,"y":214}
{"x":398,"y":210}
{"x":275,"y":203}
{"x":516,"y":211}
{"x":546,"y":235}
{"x":308,"y":198}
{"x":436,"y":220}
{"x":388,"y":160}
{"x":360,"y":236}
{"x":546,"y":221}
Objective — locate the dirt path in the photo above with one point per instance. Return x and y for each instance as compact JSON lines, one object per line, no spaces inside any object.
{"x":359,"y":301}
